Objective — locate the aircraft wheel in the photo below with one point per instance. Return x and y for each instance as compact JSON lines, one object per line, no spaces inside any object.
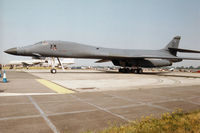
{"x":135,"y":71}
{"x":132,"y":70}
{"x":53,"y":71}
{"x":120,"y":70}
{"x":139,"y":71}
{"x":123,"y":70}
{"x":127,"y":70}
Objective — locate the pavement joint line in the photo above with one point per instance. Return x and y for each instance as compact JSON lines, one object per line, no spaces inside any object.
{"x":126,"y":106}
{"x":57,"y":101}
{"x":73,"y":112}
{"x":159,"y":107}
{"x":193,"y":97}
{"x":120,"y":97}
{"x":131,"y":99}
{"x":24,"y":94}
{"x":158,"y":96}
{"x":141,"y":103}
{"x":128,"y":98}
{"x":150,"y":94}
{"x":49,"y":123}
{"x":4,"y":104}
{"x":55,"y":87}
{"x":19,"y":117}
{"x":191,"y":102}
{"x":103,"y":109}
{"x":163,"y":101}
{"x":7,"y":104}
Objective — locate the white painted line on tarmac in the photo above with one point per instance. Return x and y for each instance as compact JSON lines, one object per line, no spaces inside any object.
{"x":120,"y":97}
{"x":169,"y":100}
{"x":140,"y":103}
{"x":159,"y":107}
{"x":127,"y":106}
{"x":73,"y":112}
{"x":193,"y":97}
{"x":7,"y":104}
{"x":50,"y":124}
{"x":25,"y":94}
{"x":192,"y":102}
{"x":19,"y":117}
{"x":100,"y":108}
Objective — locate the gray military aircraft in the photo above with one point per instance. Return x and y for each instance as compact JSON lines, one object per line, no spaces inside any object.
{"x":129,"y":60}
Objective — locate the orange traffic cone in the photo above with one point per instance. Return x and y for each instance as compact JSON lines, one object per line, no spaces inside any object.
{"x":4,"y":77}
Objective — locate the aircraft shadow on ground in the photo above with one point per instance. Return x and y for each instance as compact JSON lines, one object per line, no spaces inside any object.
{"x":164,"y":74}
{"x":169,"y":74}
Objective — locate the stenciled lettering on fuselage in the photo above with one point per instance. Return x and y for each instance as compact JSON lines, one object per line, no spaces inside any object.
{"x":53,"y":47}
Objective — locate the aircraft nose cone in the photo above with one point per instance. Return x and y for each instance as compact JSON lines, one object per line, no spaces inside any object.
{"x":11,"y":51}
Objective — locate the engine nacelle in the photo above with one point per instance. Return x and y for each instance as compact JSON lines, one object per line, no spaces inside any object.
{"x":142,"y":63}
{"x":160,"y":62}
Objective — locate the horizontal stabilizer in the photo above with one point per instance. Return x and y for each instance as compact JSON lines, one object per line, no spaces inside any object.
{"x":184,"y":50}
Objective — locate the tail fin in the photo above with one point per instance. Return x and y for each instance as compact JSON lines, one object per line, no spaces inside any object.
{"x":174,"y":43}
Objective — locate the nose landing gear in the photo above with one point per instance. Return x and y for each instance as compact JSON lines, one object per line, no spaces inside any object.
{"x":53,"y":71}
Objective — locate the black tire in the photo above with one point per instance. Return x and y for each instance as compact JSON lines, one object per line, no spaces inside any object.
{"x":139,"y":71}
{"x":123,"y":70}
{"x":53,"y":71}
{"x":135,"y":71}
{"x":128,"y":70}
{"x":132,"y":70}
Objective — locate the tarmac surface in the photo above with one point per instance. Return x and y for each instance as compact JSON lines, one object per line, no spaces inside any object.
{"x":34,"y":101}
{"x":92,"y":81}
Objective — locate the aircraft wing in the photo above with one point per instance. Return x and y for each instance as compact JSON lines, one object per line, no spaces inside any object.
{"x":188,"y":58}
{"x":184,"y":50}
{"x":107,"y":58}
{"x":173,"y":58}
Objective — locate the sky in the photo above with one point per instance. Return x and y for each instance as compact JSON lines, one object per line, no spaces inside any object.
{"x":129,"y":24}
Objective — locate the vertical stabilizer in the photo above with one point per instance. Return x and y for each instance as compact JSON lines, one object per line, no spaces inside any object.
{"x":174,"y":43}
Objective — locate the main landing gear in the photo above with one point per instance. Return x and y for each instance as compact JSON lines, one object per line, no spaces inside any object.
{"x":128,"y":70}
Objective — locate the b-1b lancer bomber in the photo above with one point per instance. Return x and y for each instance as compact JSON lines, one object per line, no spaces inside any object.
{"x":130,"y":60}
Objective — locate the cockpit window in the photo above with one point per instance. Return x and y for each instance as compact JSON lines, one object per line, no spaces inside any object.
{"x":37,"y":43}
{"x":41,"y":42}
{"x":44,"y":42}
